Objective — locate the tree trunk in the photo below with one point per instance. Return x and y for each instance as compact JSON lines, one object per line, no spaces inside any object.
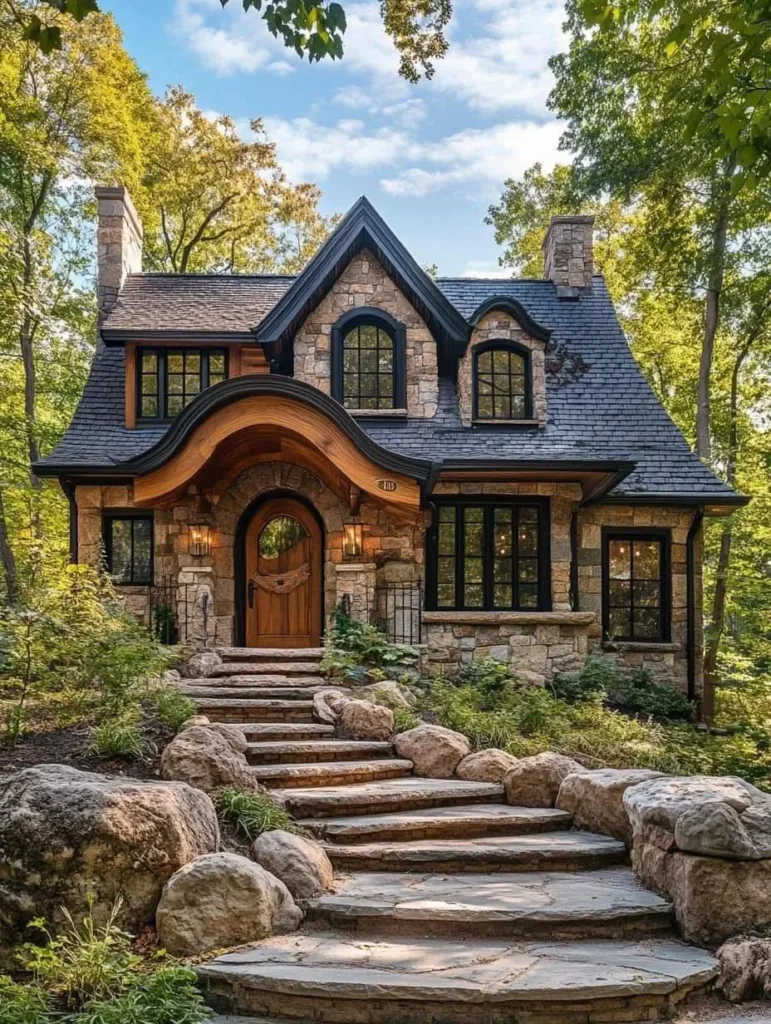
{"x":7,"y":557}
{"x":712,"y":310}
{"x":26,"y":345}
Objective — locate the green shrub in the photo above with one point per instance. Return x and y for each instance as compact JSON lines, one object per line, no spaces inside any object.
{"x":120,"y":738}
{"x":405,"y":719}
{"x":90,"y":975}
{"x":255,"y":813}
{"x":172,"y":707}
{"x":350,"y":644}
{"x":598,"y":677}
{"x":638,"y":692}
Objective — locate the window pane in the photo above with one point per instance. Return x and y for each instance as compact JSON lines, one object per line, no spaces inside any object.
{"x":142,"y":550}
{"x":216,"y":364}
{"x":502,"y":570}
{"x":473,"y":519}
{"x":502,"y":596}
{"x":646,"y":593}
{"x":500,"y":373}
{"x":149,"y":406}
{"x":149,"y":384}
{"x":368,"y":361}
{"x":528,"y":570}
{"x":620,"y":593}
{"x":367,"y":336}
{"x":485,"y":363}
{"x":175,"y":362}
{"x":619,"y":560}
{"x":646,"y":623}
{"x":473,"y":570}
{"x":518,"y":407}
{"x":149,"y":362}
{"x":528,"y":595}
{"x":620,"y":622}
{"x":445,"y":595}
{"x":646,"y":559}
{"x":473,"y":596}
{"x":192,"y":362}
{"x":174,"y":405}
{"x":446,"y":570}
{"x":175,"y":384}
{"x":121,"y":550}
{"x":192,"y":385}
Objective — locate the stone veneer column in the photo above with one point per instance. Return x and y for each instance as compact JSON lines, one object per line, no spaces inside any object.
{"x":568,"y":254}
{"x":355,"y":585}
{"x":195,"y":604}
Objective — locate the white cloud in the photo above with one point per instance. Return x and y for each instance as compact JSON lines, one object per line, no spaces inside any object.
{"x":228,"y":40}
{"x":485,"y":268}
{"x":484,"y":156}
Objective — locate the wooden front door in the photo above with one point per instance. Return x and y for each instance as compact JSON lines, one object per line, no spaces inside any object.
{"x":284,"y":548}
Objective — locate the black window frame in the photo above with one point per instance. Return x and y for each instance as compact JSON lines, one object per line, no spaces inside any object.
{"x":631,"y":534}
{"x":508,"y":345}
{"x":489,"y":503}
{"x":370,"y":316}
{"x":115,"y":515}
{"x":162,"y":353}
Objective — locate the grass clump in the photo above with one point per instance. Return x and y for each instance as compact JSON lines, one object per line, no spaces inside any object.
{"x":405,"y":719}
{"x":120,"y":737}
{"x":172,"y":707}
{"x":254,"y":813}
{"x":89,"y":974}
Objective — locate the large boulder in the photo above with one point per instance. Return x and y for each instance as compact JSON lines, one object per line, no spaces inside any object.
{"x":327,"y":705}
{"x":535,"y":781}
{"x":745,"y":969}
{"x":201,"y":665}
{"x":363,"y":720}
{"x":65,"y":833}
{"x":705,"y":842}
{"x":301,"y":864}
{"x":208,"y":757}
{"x":485,"y":766}
{"x":435,"y":752}
{"x":711,"y":815}
{"x":222,"y":900}
{"x":596,"y":798}
{"x":387,"y":692}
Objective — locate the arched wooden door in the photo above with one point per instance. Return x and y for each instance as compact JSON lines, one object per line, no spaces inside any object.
{"x":284,"y":550}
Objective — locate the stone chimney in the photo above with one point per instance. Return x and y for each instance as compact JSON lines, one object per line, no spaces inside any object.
{"x":568,"y":255}
{"x":118,"y":244}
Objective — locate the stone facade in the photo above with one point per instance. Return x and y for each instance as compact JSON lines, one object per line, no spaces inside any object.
{"x":498,"y":325}
{"x":365,"y":283}
{"x":666,"y":661}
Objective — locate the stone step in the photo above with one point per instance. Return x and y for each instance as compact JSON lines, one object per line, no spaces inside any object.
{"x":221,"y":709}
{"x":309,"y":751}
{"x":251,"y":654}
{"x":292,"y":668}
{"x":329,"y":773}
{"x":285,"y":731}
{"x":329,"y":977}
{"x":544,"y":851}
{"x":600,"y":904}
{"x":252,"y":693}
{"x":392,"y":795}
{"x":260,"y":679}
{"x":440,"y":823}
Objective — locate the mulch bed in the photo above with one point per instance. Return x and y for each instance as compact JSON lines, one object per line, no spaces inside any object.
{"x":69,"y":746}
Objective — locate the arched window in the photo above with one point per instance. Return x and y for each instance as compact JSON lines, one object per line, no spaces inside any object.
{"x":502,"y":382}
{"x":368,"y":361}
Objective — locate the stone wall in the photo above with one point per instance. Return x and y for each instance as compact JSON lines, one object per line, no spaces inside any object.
{"x":392,"y":544}
{"x":365,"y":283}
{"x":500,"y":325}
{"x":666,"y":661}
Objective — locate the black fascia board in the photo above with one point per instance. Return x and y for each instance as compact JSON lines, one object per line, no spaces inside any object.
{"x":362,"y":227}
{"x":119,"y":336}
{"x":514,"y":308}
{"x":236,"y":388}
{"x":673,"y":498}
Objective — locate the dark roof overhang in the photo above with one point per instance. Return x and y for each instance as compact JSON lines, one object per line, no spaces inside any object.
{"x":236,"y":388}
{"x":714,"y":504}
{"x":121,"y":336}
{"x":362,"y":228}
{"x":596,"y":476}
{"x":514,"y":308}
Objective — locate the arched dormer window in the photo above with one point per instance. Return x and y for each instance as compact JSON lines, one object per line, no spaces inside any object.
{"x":502,"y":381}
{"x":368,"y":356}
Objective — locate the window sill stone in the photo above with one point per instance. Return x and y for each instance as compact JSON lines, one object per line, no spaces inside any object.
{"x":651,"y":646}
{"x":506,"y":423}
{"x":377,"y":413}
{"x":509,"y":618}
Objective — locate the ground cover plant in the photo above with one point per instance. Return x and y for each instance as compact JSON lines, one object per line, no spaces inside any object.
{"x":91,"y":974}
{"x":251,"y":814}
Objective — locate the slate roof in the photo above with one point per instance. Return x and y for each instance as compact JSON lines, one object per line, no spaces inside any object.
{"x":599,"y":403}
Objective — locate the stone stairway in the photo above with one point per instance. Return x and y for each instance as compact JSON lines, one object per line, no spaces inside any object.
{"x":450,"y":907}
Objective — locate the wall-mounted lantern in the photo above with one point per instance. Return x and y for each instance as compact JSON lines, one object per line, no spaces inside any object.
{"x":353,"y":546}
{"x":200,"y":539}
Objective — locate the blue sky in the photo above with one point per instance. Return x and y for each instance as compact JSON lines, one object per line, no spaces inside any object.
{"x":431,"y":157}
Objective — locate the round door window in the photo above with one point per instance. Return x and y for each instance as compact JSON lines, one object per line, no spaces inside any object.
{"x":279,"y":535}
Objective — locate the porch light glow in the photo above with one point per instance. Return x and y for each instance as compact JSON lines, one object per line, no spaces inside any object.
{"x":352,"y":541}
{"x":200,"y":539}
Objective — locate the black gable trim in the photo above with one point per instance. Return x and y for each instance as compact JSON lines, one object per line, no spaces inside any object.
{"x":514,"y":308}
{"x":270,"y":384}
{"x":362,"y":228}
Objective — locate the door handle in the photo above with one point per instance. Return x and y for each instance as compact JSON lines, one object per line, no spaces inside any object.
{"x":251,"y":593}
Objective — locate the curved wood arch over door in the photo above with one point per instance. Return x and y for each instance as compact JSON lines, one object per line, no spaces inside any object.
{"x":283,"y":600}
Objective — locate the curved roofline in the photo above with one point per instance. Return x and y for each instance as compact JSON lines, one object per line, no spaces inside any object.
{"x":512,"y":306}
{"x":236,"y":388}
